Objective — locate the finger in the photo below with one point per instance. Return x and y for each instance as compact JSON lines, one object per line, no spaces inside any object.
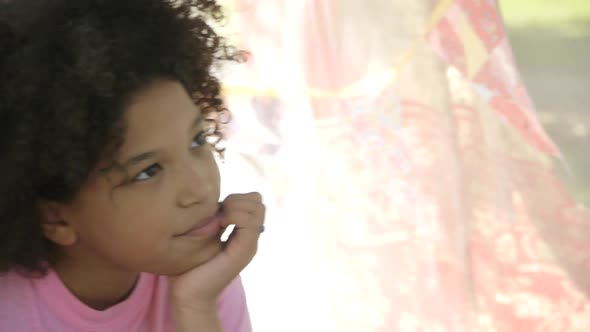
{"x":242,"y":245}
{"x":237,"y":212}
{"x":234,"y":232}
{"x":239,"y":218}
{"x":246,"y":212}
{"x":253,"y":196}
{"x":251,"y":206}
{"x":242,"y":221}
{"x":248,"y":220}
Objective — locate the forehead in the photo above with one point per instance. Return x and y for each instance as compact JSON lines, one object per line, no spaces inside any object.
{"x":156,"y":114}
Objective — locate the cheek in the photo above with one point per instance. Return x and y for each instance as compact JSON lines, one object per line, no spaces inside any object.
{"x":213,"y":170}
{"x":216,"y":175}
{"x":150,"y":219}
{"x":130,"y":219}
{"x":134,"y":239}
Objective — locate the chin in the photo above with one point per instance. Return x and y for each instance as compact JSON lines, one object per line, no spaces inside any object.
{"x":202,"y":257}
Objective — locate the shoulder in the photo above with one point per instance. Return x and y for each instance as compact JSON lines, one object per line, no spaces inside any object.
{"x":15,"y":301}
{"x":233,"y":308}
{"x":13,"y":284}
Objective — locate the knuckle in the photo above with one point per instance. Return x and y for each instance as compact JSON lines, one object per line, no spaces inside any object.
{"x":231,"y":197}
{"x":256,"y":195}
{"x":262,"y":211}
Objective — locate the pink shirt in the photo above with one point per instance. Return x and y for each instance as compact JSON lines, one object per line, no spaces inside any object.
{"x":36,"y":305}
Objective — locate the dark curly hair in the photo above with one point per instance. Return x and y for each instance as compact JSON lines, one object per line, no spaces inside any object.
{"x":66,"y":77}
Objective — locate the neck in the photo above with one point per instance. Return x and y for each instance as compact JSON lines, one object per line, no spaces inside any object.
{"x":93,"y":284}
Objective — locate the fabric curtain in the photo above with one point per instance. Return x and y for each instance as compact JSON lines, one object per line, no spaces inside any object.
{"x":409,"y":184}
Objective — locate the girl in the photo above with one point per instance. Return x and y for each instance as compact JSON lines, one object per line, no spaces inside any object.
{"x":109,"y":210}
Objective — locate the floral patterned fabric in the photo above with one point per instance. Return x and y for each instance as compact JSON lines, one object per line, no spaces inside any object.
{"x":409,"y":184}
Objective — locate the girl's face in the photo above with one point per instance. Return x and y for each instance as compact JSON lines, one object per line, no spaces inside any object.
{"x":134,"y":219}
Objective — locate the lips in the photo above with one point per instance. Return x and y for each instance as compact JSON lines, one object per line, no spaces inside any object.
{"x":208,"y":227}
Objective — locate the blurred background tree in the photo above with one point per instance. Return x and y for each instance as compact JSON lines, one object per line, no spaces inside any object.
{"x":551,"y":42}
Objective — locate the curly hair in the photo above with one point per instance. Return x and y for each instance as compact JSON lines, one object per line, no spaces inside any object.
{"x":65,"y":80}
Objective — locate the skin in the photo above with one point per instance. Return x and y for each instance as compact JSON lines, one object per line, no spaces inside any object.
{"x":125,"y":222}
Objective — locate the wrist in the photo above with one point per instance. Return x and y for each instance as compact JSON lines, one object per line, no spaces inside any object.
{"x":189,"y":317}
{"x":194,"y":307}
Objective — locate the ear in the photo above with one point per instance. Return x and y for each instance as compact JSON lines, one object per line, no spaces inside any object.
{"x":54,"y":226}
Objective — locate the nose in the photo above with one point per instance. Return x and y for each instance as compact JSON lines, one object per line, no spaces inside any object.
{"x":195,"y":185}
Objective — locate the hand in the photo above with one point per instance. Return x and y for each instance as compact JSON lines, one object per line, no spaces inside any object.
{"x":199,"y":288}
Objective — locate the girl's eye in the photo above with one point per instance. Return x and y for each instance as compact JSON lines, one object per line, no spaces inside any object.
{"x":199,"y":140}
{"x":148,"y":173}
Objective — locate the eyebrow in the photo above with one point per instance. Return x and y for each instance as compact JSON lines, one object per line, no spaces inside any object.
{"x":134,"y":160}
